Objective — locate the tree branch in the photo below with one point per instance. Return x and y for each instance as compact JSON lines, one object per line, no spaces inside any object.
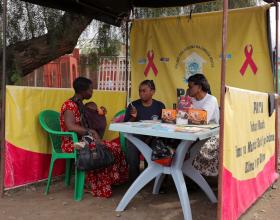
{"x":25,"y":56}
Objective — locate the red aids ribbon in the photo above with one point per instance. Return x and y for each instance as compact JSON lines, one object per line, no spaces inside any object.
{"x":150,"y":57}
{"x":249,"y":61}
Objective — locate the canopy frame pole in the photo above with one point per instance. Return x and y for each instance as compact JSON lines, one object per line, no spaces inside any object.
{"x":3,"y":100}
{"x":127,"y":73}
{"x":222,"y":105}
{"x":276,"y":85}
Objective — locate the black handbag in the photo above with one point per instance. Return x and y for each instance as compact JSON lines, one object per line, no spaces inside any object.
{"x":162,"y":152}
{"x":93,"y":159}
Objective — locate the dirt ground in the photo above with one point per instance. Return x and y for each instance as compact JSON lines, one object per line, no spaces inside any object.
{"x":30,"y":203}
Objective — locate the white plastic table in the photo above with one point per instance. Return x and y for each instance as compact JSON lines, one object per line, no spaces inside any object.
{"x":190,"y":142}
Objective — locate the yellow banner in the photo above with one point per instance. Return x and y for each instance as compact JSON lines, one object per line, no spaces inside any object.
{"x":169,"y":50}
{"x":249,"y":138}
{"x":23,"y":105}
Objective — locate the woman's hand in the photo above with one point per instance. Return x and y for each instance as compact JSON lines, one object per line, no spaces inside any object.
{"x":71,"y":125}
{"x":193,"y":119}
{"x":95,"y":135}
{"x":195,"y":122}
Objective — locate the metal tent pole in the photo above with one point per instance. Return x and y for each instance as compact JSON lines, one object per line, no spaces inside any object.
{"x":276,"y":87}
{"x":222,"y":106}
{"x":126,"y":63}
{"x":3,"y":99}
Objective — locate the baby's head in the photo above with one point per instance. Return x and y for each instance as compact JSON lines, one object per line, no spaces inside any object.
{"x":91,"y":105}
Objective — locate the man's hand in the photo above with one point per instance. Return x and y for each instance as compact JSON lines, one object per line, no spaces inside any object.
{"x":133,"y":112}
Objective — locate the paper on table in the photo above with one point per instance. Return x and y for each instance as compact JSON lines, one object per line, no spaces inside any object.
{"x":155,"y":126}
{"x":151,"y":121}
{"x":210,"y":126}
{"x":190,"y":129}
{"x":164,"y":127}
{"x":141,"y":125}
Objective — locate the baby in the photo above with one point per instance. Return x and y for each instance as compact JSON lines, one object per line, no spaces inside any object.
{"x":96,"y":118}
{"x":96,"y":121}
{"x":92,"y":105}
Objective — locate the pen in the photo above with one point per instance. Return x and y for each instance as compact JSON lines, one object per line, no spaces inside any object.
{"x":132,"y":105}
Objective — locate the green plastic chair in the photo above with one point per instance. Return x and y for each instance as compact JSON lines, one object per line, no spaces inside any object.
{"x":50,"y":122}
{"x":122,"y":138}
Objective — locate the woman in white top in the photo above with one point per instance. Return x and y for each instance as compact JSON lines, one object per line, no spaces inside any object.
{"x":199,"y":89}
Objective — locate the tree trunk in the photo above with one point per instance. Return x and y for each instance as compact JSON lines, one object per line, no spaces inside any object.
{"x":25,"y":56}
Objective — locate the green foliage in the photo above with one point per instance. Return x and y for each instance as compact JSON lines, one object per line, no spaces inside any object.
{"x":156,"y":12}
{"x":51,"y":17}
{"x":15,"y":76}
{"x":196,"y":8}
{"x":208,"y":6}
{"x":26,"y":21}
{"x":242,"y":3}
{"x":107,"y":41}
{"x":91,"y":59}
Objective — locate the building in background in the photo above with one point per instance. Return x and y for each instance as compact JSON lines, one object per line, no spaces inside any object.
{"x":112,"y":73}
{"x":106,"y":73}
{"x":59,"y":73}
{"x":88,"y":67}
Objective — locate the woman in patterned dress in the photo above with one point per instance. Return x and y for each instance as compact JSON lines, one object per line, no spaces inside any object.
{"x":199,"y":89}
{"x":98,"y":182}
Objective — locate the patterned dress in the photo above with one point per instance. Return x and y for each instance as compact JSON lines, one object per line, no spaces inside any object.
{"x":99,"y":182}
{"x":207,"y":160}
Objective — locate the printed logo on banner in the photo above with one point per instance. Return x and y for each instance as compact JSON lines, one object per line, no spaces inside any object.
{"x":142,"y":61}
{"x":150,"y":64}
{"x":164,"y":59}
{"x":228,"y":56}
{"x":192,"y":59}
{"x":193,"y":64}
{"x":248,"y":51}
